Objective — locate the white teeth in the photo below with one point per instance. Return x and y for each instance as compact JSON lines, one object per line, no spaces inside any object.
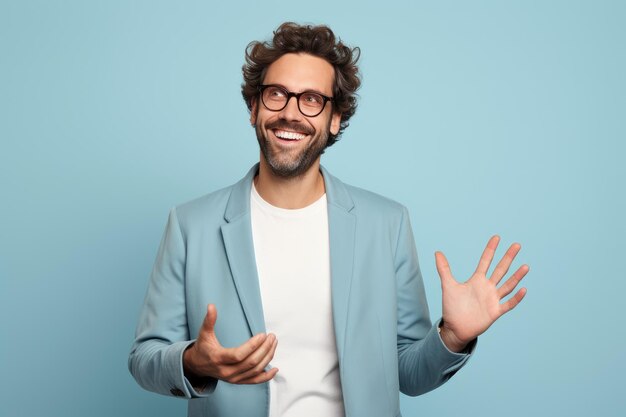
{"x":289,"y":135}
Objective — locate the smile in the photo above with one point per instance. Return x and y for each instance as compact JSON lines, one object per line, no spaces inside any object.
{"x":287,"y":135}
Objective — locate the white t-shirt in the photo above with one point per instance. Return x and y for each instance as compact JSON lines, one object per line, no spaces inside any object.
{"x":293,"y":262}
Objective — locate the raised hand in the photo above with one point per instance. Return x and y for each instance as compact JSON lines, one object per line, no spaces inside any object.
{"x":244,"y":364}
{"x":469,"y":308}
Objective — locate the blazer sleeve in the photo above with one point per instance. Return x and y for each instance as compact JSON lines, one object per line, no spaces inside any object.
{"x":162,"y":334}
{"x":424,"y":362}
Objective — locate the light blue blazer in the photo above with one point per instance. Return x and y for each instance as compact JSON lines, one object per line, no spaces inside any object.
{"x":385,"y":340}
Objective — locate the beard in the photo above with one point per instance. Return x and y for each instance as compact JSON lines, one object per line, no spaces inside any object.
{"x":291,"y":163}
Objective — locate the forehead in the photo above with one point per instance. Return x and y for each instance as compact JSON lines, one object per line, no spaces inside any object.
{"x":300,"y":72}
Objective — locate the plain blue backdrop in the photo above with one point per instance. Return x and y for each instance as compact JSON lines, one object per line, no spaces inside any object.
{"x":481,"y":117}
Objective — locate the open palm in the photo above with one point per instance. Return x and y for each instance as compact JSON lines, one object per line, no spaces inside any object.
{"x":469,"y":308}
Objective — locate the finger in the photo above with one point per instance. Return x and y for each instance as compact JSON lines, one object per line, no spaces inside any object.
{"x":260,"y":378}
{"x":239,"y":353}
{"x":257,"y":356}
{"x":443,"y":268}
{"x":210,"y":318}
{"x":510,"y":284}
{"x":503,"y":266}
{"x":487,"y":256}
{"x":512,"y":302}
{"x":208,"y":325}
{"x":258,"y":367}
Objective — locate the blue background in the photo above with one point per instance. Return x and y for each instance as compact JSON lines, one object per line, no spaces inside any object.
{"x":482,"y":117}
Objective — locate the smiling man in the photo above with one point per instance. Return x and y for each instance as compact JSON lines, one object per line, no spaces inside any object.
{"x":297,"y":132}
{"x":321,"y":301}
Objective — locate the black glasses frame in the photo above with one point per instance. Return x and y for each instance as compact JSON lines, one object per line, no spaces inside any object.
{"x":289,"y":94}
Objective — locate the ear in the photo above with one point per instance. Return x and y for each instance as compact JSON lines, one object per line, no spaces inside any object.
{"x":335,"y":123}
{"x":253,"y":111}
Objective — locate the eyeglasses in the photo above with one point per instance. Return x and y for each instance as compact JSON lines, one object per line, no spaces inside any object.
{"x":310,"y":103}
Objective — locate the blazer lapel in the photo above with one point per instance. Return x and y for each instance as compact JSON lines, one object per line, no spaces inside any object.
{"x":237,"y":235}
{"x":342,"y":227}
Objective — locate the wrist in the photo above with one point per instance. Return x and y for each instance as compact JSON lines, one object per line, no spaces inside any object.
{"x":449,"y":339}
{"x":189,"y":366}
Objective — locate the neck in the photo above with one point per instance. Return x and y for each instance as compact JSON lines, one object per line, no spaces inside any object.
{"x":290,"y":193}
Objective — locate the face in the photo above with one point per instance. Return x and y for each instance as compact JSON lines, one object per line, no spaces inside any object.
{"x":290,"y":142}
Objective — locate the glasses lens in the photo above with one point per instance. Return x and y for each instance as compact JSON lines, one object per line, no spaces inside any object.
{"x":274,"y":98}
{"x":311,"y":104}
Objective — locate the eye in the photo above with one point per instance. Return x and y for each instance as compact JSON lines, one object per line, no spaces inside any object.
{"x":275,"y":93}
{"x":312,"y":99}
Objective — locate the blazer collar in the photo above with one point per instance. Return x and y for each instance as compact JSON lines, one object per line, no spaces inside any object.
{"x":239,"y":201}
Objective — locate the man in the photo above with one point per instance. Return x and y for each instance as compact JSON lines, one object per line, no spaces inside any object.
{"x":322,"y":310}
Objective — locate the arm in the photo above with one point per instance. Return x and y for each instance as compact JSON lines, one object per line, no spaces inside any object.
{"x":469,"y":309}
{"x":163,"y":359}
{"x":424,"y":361}
{"x":162,"y":335}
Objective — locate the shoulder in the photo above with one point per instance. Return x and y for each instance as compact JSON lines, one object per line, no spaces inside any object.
{"x":202,"y":214}
{"x":368,"y":200}
{"x":375,"y":214}
{"x":215,"y":207}
{"x":379,"y":220}
{"x":359,"y":200}
{"x":208,"y":203}
{"x":378,"y":214}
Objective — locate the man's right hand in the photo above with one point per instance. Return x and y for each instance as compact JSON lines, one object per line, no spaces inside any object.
{"x":244,"y":364}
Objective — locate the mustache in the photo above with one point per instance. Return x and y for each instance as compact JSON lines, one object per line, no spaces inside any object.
{"x":286,"y":125}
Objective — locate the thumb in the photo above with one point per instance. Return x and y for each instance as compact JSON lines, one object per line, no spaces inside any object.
{"x":208,"y":325}
{"x":443,"y":268}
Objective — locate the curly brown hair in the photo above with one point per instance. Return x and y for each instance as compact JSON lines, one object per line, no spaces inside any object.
{"x":319,"y":41}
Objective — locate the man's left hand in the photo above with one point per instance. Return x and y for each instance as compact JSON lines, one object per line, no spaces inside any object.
{"x":469,"y":308}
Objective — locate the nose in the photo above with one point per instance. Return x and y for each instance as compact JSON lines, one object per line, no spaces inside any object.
{"x":291,"y":110}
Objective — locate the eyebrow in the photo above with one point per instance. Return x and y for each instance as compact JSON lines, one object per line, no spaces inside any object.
{"x":306,"y":90}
